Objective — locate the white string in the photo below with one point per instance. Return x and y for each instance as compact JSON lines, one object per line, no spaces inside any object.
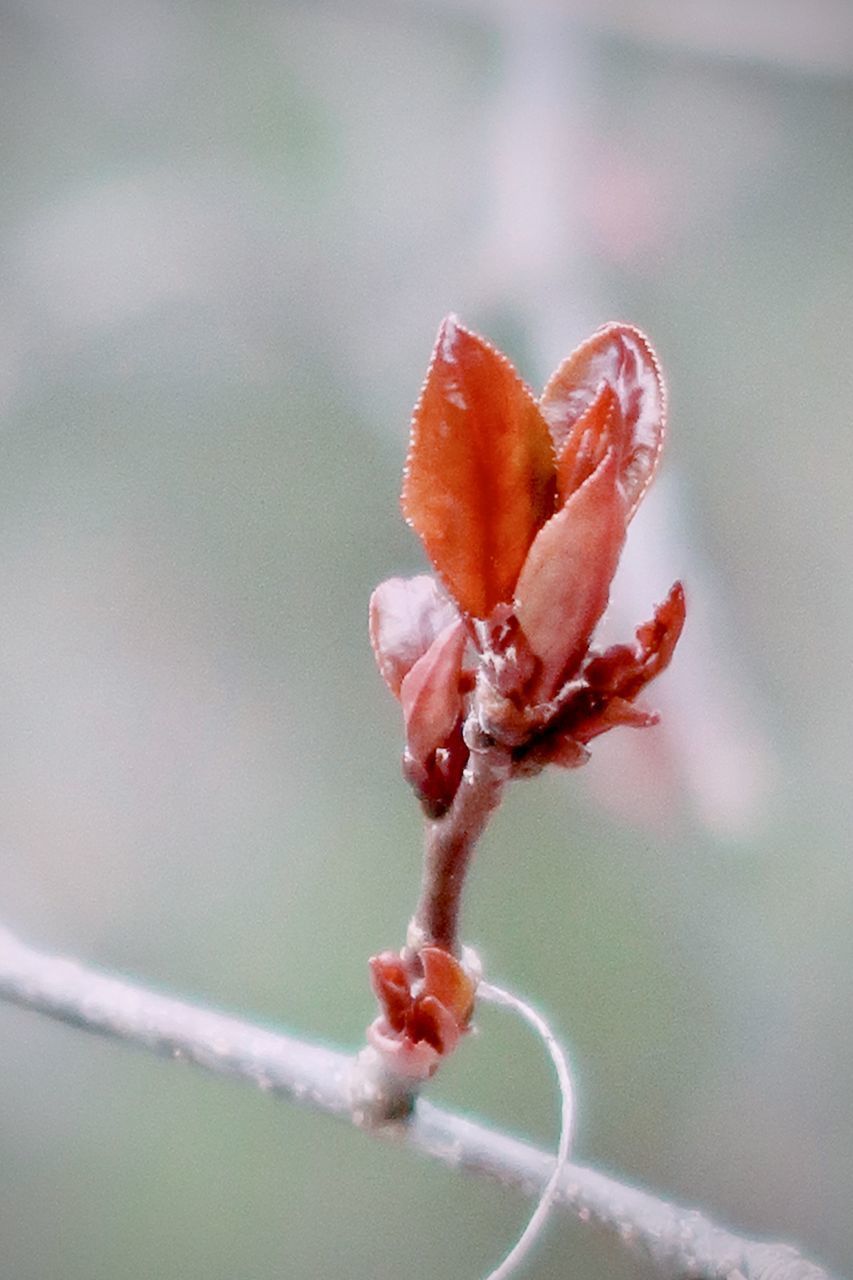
{"x":517,"y":1254}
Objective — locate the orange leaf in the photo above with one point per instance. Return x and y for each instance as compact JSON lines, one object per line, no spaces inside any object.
{"x":565,"y":583}
{"x":621,"y":356}
{"x":479,"y":480}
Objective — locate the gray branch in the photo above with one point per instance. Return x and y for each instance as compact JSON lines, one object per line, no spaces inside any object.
{"x":678,"y":1242}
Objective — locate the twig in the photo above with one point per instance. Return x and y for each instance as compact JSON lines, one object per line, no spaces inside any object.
{"x":449,"y":843}
{"x":678,"y":1242}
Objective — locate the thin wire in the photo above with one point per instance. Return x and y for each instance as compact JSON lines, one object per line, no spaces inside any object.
{"x":521,"y":1248}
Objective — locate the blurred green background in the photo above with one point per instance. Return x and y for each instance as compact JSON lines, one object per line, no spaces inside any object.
{"x":228,"y":233}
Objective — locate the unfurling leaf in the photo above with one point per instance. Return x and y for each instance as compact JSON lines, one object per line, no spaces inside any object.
{"x":621,"y":357}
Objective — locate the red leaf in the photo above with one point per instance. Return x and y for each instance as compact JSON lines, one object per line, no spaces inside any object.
{"x":598,"y":429}
{"x":563,"y":750}
{"x":657,"y":639}
{"x":423,"y":1015}
{"x":621,"y":672}
{"x":430,"y":693}
{"x":621,"y":356}
{"x":447,"y":981}
{"x":618,"y":711}
{"x":406,"y":615}
{"x":430,"y":1021}
{"x":612,"y":670}
{"x":479,"y":480}
{"x":391,"y":987}
{"x":436,"y":777}
{"x":565,"y":583}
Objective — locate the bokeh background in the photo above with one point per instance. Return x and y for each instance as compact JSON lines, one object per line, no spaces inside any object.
{"x":228,"y":233}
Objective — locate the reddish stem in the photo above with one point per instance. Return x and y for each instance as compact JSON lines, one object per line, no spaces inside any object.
{"x":449,"y":844}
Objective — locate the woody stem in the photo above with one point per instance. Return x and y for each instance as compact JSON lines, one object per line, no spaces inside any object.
{"x":449,"y":843}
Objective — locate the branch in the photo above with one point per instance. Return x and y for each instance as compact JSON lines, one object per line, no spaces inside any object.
{"x":678,"y":1242}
